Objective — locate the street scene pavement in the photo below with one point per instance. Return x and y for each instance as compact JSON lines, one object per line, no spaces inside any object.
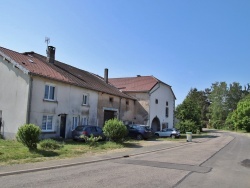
{"x":218,"y":160}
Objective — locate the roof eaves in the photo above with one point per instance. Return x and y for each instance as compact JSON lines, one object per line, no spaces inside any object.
{"x":15,"y":64}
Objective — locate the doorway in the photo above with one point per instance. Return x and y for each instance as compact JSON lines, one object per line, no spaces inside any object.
{"x":63,"y":125}
{"x":156,"y":124}
{"x":108,"y":114}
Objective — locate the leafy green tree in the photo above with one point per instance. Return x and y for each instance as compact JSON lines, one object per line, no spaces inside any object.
{"x":234,"y":95}
{"x":241,"y":116}
{"x":218,"y":110}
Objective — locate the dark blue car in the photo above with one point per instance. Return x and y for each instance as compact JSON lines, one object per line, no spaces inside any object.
{"x":139,"y":131}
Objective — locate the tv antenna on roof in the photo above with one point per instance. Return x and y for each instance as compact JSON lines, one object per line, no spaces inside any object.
{"x":47,"y":40}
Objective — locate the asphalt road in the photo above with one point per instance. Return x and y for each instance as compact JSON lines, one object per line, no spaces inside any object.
{"x":218,"y":161}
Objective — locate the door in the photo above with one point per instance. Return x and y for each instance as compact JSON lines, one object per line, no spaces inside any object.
{"x":108,"y":114}
{"x":63,"y":125}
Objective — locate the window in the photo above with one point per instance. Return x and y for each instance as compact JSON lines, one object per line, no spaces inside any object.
{"x":74,"y":123}
{"x":49,"y":92}
{"x":156,"y":101}
{"x":166,"y":111}
{"x":84,"y":121}
{"x":85,"y":99}
{"x":127,"y":102}
{"x":111,"y":99}
{"x":47,"y":123}
{"x":167,"y":103}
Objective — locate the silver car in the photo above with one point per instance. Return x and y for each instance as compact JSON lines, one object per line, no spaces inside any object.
{"x":170,"y":132}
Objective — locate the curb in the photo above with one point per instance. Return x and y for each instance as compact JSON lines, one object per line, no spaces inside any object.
{"x":87,"y":162}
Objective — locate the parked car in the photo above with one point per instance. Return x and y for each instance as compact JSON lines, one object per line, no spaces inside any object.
{"x":173,"y":133}
{"x":87,"y":130}
{"x":139,"y":131}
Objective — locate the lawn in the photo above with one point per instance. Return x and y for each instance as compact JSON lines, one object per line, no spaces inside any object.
{"x":13,"y":152}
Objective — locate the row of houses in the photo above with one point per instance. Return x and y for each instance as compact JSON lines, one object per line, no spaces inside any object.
{"x":57,"y":97}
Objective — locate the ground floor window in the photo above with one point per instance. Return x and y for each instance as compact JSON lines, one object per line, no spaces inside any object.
{"x":47,"y":123}
{"x":75,"y":122}
{"x":84,"y":121}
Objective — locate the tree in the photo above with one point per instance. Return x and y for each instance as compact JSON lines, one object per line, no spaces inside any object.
{"x":218,"y":110}
{"x":241,"y":116}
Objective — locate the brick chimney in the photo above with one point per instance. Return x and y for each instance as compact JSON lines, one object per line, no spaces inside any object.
{"x":106,"y":75}
{"x":51,"y":54}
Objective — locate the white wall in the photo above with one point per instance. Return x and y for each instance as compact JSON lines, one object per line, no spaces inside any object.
{"x":164,"y":94}
{"x":68,"y":100}
{"x":14,"y":90}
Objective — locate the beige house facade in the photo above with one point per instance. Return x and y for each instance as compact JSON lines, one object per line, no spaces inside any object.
{"x":55,"y":96}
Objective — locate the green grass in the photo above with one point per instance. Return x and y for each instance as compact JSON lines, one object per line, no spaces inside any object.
{"x":13,"y":152}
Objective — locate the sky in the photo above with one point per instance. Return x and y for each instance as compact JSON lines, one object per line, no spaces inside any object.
{"x":184,"y":43}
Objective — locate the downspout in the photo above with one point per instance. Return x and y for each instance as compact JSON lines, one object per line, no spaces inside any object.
{"x":29,"y":99}
{"x":119,"y":113}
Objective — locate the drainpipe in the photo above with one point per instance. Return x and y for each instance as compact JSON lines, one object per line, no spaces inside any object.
{"x":29,"y":99}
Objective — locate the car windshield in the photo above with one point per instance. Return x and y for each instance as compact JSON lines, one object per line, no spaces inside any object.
{"x":79,"y":128}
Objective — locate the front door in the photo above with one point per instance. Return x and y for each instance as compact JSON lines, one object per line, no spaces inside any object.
{"x":63,"y":125}
{"x":108,"y":114}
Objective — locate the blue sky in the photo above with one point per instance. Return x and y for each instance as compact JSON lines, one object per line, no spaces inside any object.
{"x":184,"y":43}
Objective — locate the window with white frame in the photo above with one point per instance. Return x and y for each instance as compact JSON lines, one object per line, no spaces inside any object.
{"x":47,"y":123}
{"x":84,"y":121}
{"x":49,"y":92}
{"x":75,"y":122}
{"x":85,"y":99}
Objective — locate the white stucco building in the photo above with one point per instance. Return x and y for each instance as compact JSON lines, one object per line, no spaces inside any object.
{"x":55,"y":96}
{"x":155,"y":100}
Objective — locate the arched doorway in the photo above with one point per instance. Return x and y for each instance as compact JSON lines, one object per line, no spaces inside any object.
{"x":156,"y":126}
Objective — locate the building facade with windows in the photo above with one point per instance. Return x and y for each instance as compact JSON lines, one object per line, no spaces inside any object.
{"x":55,"y":96}
{"x":155,"y":100}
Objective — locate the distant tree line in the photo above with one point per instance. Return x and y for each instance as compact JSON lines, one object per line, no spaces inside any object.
{"x":221,"y":106}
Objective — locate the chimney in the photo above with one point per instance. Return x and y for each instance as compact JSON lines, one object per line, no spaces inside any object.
{"x":51,"y":54}
{"x":106,"y":75}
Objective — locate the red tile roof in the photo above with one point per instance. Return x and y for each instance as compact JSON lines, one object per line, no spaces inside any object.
{"x":136,"y":84}
{"x":140,"y":83}
{"x":36,"y":64}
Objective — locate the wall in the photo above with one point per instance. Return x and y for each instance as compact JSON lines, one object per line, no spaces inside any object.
{"x":123,"y":111}
{"x":141,"y":107}
{"x":14,"y":89}
{"x":68,"y":101}
{"x":164,"y":94}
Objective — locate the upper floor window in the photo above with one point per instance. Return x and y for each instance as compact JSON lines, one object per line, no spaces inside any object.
{"x":127,"y":102}
{"x":167,"y":103}
{"x":111,"y":99}
{"x":156,"y":101}
{"x":85,"y":99}
{"x":49,"y":92}
{"x":47,"y":123}
{"x":167,"y":111}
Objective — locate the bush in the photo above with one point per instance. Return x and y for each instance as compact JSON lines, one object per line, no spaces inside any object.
{"x":115,"y":130}
{"x":49,"y":144}
{"x":28,"y":135}
{"x":92,"y":141}
{"x":188,"y":126}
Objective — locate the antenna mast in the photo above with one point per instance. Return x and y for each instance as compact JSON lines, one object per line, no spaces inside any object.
{"x":47,"y":40}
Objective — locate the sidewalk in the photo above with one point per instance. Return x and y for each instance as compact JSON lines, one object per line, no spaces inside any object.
{"x":53,"y":164}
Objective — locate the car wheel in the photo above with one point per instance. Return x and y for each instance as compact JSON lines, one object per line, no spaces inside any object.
{"x":173,"y":136}
{"x":139,"y":137}
{"x":157,"y":135}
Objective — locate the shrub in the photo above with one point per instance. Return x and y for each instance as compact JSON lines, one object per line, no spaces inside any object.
{"x":49,"y":144}
{"x":188,"y":126}
{"x":28,"y":135}
{"x":92,"y":141}
{"x":115,"y":130}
